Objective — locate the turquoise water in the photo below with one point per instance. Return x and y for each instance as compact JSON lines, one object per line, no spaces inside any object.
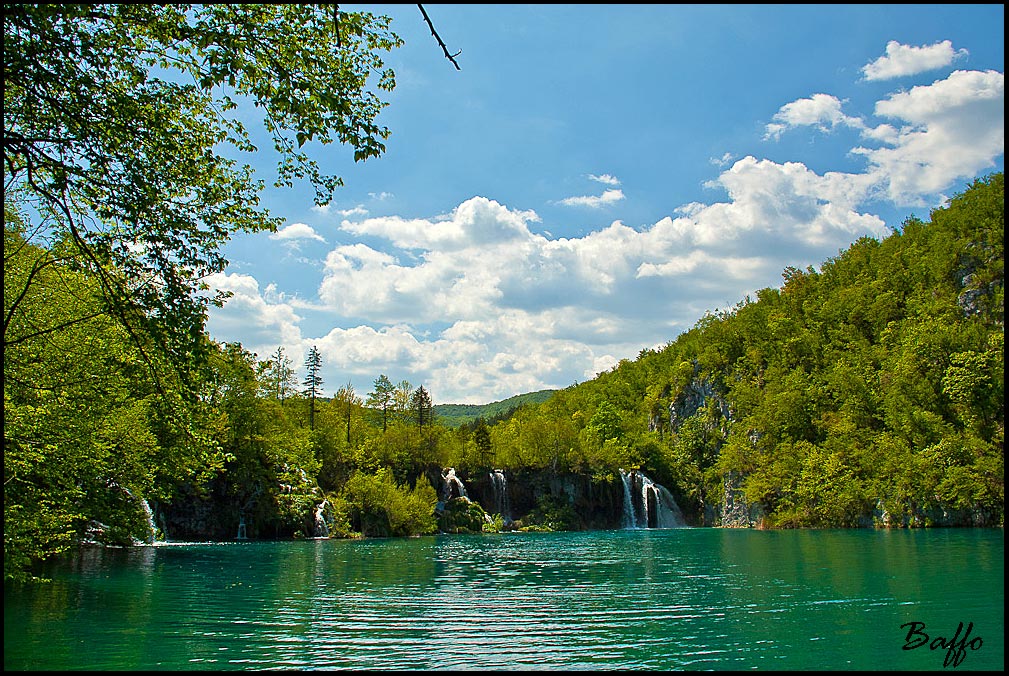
{"x":631,"y":599}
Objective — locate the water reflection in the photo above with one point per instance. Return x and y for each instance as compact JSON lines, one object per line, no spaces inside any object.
{"x":629,"y":599}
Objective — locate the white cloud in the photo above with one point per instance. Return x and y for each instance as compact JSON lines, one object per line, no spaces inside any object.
{"x":476,"y":222}
{"x":247,"y":317}
{"x":477,"y":307}
{"x":483,"y":307}
{"x":949,"y":130}
{"x":606,"y":179}
{"x":600,"y":364}
{"x":296,"y":232}
{"x":359,"y":210}
{"x":902,"y":60}
{"x":821,"y":110}
{"x":594,"y":201}
{"x":952,"y":129}
{"x":724,"y":160}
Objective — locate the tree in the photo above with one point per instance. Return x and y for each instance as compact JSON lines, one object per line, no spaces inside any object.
{"x":123,"y":177}
{"x":402,"y":397}
{"x":87,"y":437}
{"x":347,"y":402}
{"x":481,"y":439}
{"x":313,"y":382}
{"x":270,"y":476}
{"x":278,"y":376}
{"x":422,"y":407}
{"x":382,"y":398}
{"x":116,"y":122}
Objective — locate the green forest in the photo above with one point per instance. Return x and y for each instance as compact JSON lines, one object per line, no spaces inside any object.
{"x":874,"y":383}
{"x":868,"y":392}
{"x":453,"y":415}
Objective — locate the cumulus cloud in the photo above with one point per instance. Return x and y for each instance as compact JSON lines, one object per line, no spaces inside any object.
{"x":357,"y":210}
{"x":936,"y":134}
{"x":902,"y":60}
{"x":248,"y":317}
{"x":951,"y":129}
{"x":479,"y":301}
{"x":477,"y":307}
{"x":820,"y":110}
{"x":295,"y":233}
{"x":354,"y":211}
{"x":606,"y":179}
{"x":594,"y":201}
{"x":478,"y":221}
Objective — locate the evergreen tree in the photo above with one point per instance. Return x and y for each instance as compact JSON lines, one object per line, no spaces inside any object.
{"x":382,"y":398}
{"x":313,"y":382}
{"x":422,"y":407}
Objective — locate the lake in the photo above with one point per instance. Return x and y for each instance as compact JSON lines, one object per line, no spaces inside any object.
{"x":685,"y":599}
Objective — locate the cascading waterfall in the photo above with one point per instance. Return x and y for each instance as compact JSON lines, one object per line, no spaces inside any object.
{"x":321,"y":528}
{"x":648,"y":504}
{"x":629,"y":517}
{"x":502,"y":505}
{"x":152,"y":530}
{"x":241,"y":529}
{"x":452,"y":486}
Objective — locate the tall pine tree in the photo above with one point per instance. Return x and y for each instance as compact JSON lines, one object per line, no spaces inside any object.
{"x":382,"y":397}
{"x":313,"y":382}
{"x":422,"y":407}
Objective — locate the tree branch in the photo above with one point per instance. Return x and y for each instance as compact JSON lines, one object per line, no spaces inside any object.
{"x":450,"y":57}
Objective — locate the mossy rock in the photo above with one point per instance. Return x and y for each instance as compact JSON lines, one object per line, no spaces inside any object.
{"x":461,"y":515}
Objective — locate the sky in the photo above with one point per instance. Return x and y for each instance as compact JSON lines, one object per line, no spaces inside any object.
{"x":594,"y":179}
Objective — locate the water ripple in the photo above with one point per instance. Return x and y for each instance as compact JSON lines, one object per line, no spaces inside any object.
{"x":643,"y":600}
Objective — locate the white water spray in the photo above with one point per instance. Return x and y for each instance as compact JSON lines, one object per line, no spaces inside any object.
{"x":502,"y":505}
{"x":452,"y":486}
{"x":320,"y":528}
{"x":648,"y":504}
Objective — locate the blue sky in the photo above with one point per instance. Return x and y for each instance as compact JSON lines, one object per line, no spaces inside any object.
{"x":597,"y":177}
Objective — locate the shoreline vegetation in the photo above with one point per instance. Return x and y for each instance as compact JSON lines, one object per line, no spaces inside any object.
{"x":868,"y":393}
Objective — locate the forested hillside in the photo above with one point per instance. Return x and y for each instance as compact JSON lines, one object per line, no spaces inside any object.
{"x":867,"y":392}
{"x":454,"y":415}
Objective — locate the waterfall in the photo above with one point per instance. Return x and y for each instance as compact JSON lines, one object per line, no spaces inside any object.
{"x":452,"y":486}
{"x":648,"y":504}
{"x":241,"y":528}
{"x":666,"y":512}
{"x":152,"y":530}
{"x":502,"y":505}
{"x":629,"y":517}
{"x":320,"y":529}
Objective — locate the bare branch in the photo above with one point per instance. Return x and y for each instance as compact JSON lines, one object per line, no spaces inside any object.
{"x":450,"y":57}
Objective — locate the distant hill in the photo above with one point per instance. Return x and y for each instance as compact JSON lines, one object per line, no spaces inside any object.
{"x":454,"y":415}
